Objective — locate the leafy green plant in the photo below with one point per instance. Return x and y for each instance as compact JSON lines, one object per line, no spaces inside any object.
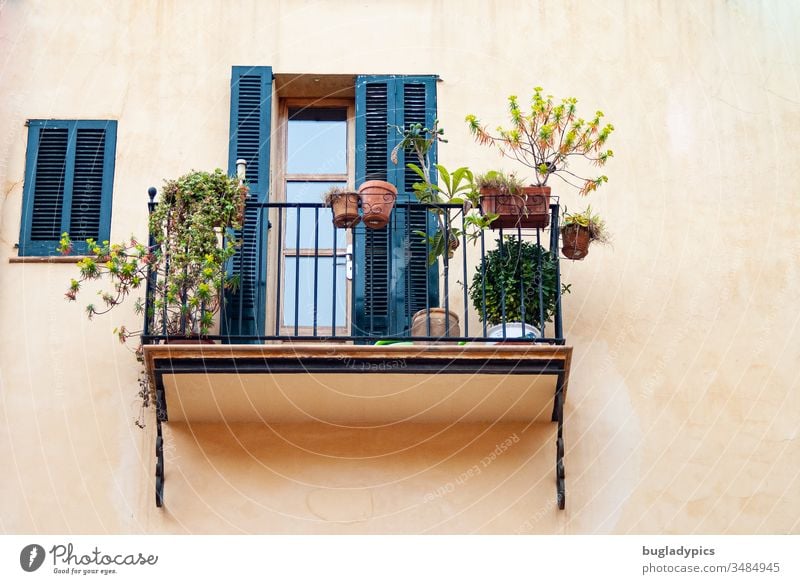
{"x":592,"y":221}
{"x":548,"y":137}
{"x":188,"y":257}
{"x":456,"y":187}
{"x":507,"y":283}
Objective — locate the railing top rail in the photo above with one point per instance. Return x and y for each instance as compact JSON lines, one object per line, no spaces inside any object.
{"x":321,"y":205}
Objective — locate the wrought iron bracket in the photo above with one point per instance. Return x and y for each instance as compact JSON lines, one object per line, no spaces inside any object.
{"x":159,"y":465}
{"x":558,"y":414}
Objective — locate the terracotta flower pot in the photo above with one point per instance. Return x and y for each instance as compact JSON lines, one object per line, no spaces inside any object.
{"x":377,"y":201}
{"x":575,"y":241}
{"x":452,"y":246}
{"x":439,"y":328}
{"x":345,"y":210}
{"x":530,"y":208}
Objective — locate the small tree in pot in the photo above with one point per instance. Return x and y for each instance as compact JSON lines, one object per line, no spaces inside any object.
{"x":505,"y":288}
{"x":545,"y":139}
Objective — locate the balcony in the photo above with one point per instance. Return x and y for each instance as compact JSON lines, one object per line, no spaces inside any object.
{"x":367,"y":327}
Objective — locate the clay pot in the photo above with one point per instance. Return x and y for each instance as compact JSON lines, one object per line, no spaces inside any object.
{"x":438,"y":318}
{"x":377,"y":201}
{"x":530,"y":208}
{"x":345,"y":210}
{"x":575,"y":241}
{"x":452,"y":246}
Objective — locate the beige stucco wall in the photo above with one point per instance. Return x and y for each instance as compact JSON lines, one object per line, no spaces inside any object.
{"x":684,"y":405}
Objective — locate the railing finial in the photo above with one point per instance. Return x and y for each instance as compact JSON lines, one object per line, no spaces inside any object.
{"x":151,"y":192}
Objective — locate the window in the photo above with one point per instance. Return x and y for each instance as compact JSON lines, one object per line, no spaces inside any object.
{"x":69,"y":171}
{"x":313,"y":254}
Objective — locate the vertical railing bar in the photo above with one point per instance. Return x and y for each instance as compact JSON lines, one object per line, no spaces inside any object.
{"x":151,"y":274}
{"x":333,"y":270}
{"x":447,"y":272}
{"x":522,"y":281}
{"x":427,"y":268}
{"x":221,"y":291}
{"x":559,"y":333}
{"x":184,"y":298}
{"x":353,"y":286}
{"x":297,"y":273}
{"x":316,"y":267}
{"x":483,"y":283}
{"x":369,"y":294}
{"x":278,"y":310}
{"x":502,"y":288}
{"x":389,"y":265}
{"x":165,"y":313}
{"x":464,"y":263}
{"x":540,"y":278}
{"x":242,"y":251}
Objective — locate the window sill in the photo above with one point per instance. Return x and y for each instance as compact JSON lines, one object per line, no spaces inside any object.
{"x":72,"y":259}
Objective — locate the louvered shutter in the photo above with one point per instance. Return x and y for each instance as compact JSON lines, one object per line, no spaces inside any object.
{"x":251,"y":111}
{"x":68,"y":183}
{"x":392,"y":278}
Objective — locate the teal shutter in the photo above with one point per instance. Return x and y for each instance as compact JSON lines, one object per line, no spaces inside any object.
{"x":251,"y":114}
{"x":392,"y":279}
{"x":69,"y":172}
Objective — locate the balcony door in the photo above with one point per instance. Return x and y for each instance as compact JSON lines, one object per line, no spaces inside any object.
{"x":317,"y":153}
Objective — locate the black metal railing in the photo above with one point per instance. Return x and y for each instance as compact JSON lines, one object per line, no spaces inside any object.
{"x":301,"y":279}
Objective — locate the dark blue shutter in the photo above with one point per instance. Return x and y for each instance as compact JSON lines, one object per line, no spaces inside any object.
{"x":392,"y":279}
{"x":68,"y":184}
{"x":251,"y":113}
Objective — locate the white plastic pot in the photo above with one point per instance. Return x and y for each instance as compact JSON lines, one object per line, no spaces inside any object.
{"x":513,"y":330}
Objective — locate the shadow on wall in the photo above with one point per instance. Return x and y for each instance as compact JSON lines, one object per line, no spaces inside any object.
{"x":315,"y":478}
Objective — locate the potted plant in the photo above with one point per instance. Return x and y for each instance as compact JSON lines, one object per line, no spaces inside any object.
{"x":578,"y":230}
{"x":192,"y":234}
{"x":435,"y":322}
{"x":441,"y":189}
{"x":377,"y":201}
{"x":545,"y":139}
{"x":505,"y":288}
{"x":344,"y":205}
{"x":514,"y":204}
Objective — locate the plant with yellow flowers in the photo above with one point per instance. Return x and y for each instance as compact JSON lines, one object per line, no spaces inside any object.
{"x":548,"y":137}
